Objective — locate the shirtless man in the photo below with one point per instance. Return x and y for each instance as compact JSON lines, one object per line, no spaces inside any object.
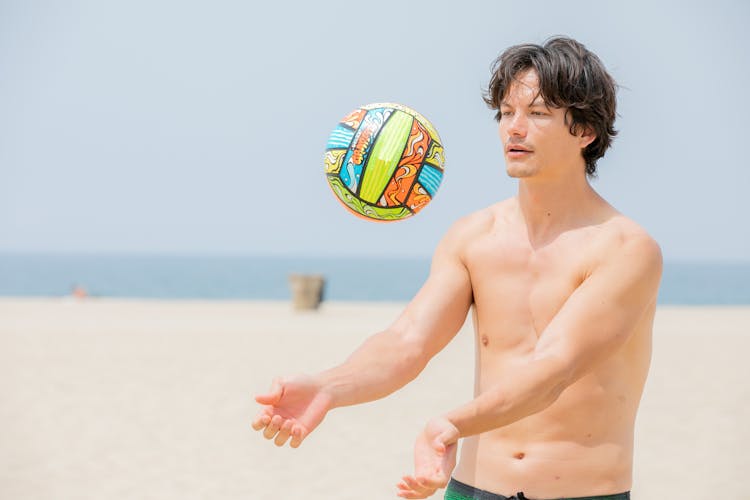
{"x":563,"y":289}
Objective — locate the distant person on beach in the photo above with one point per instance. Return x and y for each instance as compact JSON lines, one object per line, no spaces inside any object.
{"x":79,"y":292}
{"x":562,"y":290}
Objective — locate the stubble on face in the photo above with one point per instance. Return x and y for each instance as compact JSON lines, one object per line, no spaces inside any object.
{"x":536,"y":137}
{"x":520,"y":154}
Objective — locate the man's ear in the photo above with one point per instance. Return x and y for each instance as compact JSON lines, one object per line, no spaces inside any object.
{"x":586,"y":136}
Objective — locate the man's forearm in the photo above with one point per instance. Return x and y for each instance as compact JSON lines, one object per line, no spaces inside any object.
{"x":383,"y":364}
{"x":514,"y":397}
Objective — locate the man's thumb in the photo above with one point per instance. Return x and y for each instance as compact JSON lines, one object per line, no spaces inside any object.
{"x":273,"y":396}
{"x":445,"y":439}
{"x":439,"y":445}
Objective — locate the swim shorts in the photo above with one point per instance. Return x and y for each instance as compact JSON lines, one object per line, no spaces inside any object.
{"x":459,"y":491}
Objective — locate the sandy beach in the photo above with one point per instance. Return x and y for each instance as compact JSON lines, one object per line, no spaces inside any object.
{"x":126,"y":399}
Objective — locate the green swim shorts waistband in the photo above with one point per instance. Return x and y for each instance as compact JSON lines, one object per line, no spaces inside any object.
{"x":459,"y":491}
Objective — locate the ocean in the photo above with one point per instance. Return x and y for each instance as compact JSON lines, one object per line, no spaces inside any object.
{"x":266,"y":278}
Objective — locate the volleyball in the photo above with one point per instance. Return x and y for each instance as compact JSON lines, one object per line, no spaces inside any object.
{"x":384,"y":162}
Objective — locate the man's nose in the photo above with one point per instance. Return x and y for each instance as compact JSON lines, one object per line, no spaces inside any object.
{"x":516,"y":125}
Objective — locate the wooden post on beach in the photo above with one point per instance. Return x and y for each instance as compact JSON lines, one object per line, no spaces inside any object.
{"x":307,"y":290}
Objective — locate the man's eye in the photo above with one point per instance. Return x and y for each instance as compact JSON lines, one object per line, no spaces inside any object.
{"x":505,"y":113}
{"x":538,"y":113}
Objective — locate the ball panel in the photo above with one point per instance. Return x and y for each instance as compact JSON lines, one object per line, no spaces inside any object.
{"x":333,"y":160}
{"x":362,"y":209}
{"x":435,"y":155}
{"x":383,"y":159}
{"x":433,"y":133}
{"x":399,"y":186}
{"x":354,"y":118}
{"x":428,"y":125}
{"x":430,"y":178}
{"x":361,"y":145}
{"x":418,"y":198}
{"x":340,"y":138}
{"x":416,"y":145}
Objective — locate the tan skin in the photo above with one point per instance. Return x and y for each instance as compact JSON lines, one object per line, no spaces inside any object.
{"x":563,"y":289}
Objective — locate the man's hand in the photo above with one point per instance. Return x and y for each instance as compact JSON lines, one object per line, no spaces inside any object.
{"x":434,"y":460}
{"x":293,"y":408}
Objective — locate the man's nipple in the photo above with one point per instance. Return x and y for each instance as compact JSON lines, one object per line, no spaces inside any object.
{"x":519,"y":455}
{"x":485,"y":340}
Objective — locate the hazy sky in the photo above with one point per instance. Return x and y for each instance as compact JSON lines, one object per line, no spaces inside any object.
{"x":199,"y":127}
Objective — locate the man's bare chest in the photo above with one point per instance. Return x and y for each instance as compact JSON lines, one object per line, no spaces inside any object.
{"x":519,"y":287}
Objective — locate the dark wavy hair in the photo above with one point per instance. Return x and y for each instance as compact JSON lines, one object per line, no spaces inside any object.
{"x":570,"y":77}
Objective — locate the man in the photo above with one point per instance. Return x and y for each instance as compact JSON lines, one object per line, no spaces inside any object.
{"x":563,"y":289}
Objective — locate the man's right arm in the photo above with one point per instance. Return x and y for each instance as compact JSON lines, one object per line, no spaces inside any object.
{"x":386,"y":361}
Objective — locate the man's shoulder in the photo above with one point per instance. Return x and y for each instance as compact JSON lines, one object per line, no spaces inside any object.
{"x":485,"y":219}
{"x":626,"y":231}
{"x":624,"y":239}
{"x":625,"y":261}
{"x":472,"y":227}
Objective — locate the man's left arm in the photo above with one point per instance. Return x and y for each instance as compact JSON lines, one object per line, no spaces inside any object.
{"x":596,"y":321}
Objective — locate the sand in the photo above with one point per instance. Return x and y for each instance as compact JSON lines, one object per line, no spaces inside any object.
{"x":117,"y":399}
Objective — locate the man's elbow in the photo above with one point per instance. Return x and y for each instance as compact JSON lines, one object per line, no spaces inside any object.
{"x":410,"y":348}
{"x":413,"y":358}
{"x":407,"y":355}
{"x":525,"y":396}
{"x":556,"y":376}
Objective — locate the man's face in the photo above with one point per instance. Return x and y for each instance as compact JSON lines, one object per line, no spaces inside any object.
{"x":536,"y":139}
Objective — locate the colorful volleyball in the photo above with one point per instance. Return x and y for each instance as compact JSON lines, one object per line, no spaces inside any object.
{"x":384,"y":162}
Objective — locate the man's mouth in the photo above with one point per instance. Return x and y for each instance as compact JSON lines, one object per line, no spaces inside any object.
{"x":517,"y":150}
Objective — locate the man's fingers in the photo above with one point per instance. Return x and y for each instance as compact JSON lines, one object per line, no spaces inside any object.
{"x":283,"y":434}
{"x":279,"y":429}
{"x":410,"y":493}
{"x":273,"y":427}
{"x":416,"y":488}
{"x":405,"y":491}
{"x":273,"y":396}
{"x":261,"y":421}
{"x":297,"y":436}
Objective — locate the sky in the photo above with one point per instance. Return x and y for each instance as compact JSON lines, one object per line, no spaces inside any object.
{"x":198,"y":128}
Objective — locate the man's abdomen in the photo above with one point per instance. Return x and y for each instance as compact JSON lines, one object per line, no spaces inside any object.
{"x":544,"y":469}
{"x":581,"y":445}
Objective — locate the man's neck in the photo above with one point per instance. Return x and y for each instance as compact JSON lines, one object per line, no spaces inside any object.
{"x":551,"y":206}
